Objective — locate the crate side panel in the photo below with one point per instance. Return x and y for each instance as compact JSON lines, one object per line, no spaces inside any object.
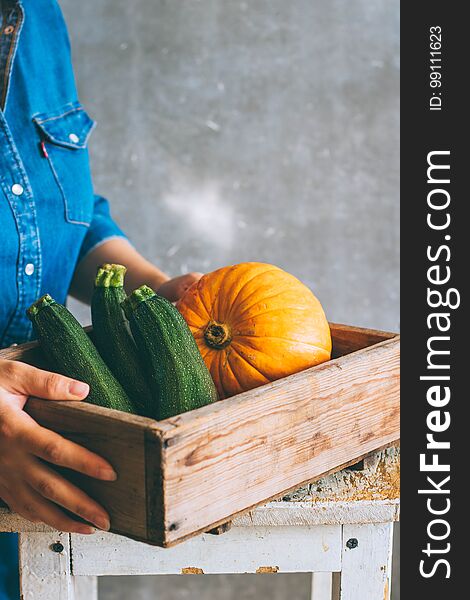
{"x":224,"y":459}
{"x":154,"y":488}
{"x":347,"y":338}
{"x":118,"y":439}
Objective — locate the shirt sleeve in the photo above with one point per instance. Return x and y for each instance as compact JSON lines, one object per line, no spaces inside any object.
{"x":102,"y":228}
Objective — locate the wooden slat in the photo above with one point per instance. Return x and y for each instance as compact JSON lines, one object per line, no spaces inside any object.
{"x":45,"y":574}
{"x":366,"y":568}
{"x":347,"y":339}
{"x":119,"y":438}
{"x":241,"y":550}
{"x":222,"y":459}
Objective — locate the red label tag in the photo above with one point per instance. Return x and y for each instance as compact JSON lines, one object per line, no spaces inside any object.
{"x":43,"y":149}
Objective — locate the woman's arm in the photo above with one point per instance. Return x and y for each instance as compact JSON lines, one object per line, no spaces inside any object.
{"x":139,"y":271}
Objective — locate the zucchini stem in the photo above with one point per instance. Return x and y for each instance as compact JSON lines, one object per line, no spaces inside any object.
{"x":110,"y":275}
{"x":141,"y":294}
{"x":37,"y":306}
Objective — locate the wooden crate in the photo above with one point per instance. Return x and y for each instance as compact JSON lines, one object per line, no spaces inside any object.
{"x":193,"y":472}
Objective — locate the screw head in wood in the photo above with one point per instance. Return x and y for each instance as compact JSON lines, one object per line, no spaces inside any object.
{"x":57,"y":547}
{"x":352,"y":543}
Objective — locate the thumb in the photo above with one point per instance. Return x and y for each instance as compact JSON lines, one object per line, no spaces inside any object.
{"x":31,"y":381}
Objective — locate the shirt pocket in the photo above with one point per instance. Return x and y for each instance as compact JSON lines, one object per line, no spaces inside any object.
{"x":64,"y":137}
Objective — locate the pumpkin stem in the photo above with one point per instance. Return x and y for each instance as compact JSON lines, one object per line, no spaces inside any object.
{"x":217,"y":335}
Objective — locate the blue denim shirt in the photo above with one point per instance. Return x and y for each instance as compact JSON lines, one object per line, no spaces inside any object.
{"x":49,"y":215}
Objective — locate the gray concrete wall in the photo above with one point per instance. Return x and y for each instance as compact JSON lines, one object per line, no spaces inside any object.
{"x":263,"y":130}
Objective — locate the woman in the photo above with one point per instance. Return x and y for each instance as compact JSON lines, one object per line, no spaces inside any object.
{"x":54,"y":232}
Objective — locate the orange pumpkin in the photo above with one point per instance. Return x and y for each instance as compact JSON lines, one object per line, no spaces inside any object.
{"x":255,"y":323}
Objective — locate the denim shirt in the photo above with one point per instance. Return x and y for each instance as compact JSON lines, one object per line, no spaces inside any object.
{"x":50,"y":217}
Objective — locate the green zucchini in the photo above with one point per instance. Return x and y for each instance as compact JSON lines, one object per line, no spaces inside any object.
{"x":113,"y":338}
{"x":177,"y":371}
{"x":72,"y":353}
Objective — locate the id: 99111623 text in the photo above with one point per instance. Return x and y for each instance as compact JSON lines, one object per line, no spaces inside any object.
{"x":435,"y":67}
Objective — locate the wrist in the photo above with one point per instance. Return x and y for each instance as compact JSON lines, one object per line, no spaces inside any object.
{"x":155,"y":278}
{"x":141,"y":272}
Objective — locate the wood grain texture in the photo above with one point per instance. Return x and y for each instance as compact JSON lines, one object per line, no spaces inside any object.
{"x":347,"y":339}
{"x":277,"y":514}
{"x":224,"y":458}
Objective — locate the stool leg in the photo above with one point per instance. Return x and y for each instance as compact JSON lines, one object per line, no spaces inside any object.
{"x":45,"y":566}
{"x":366,"y":567}
{"x":85,"y":588}
{"x":322,"y":586}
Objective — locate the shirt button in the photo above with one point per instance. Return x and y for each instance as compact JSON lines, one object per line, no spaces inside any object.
{"x":73,"y":137}
{"x":8,"y":29}
{"x":29,"y":269}
{"x":17,"y":189}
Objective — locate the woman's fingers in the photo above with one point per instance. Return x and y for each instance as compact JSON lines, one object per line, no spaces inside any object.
{"x":175,"y":288}
{"x":52,"y":486}
{"x":20,"y":378}
{"x":50,"y":514}
{"x":53,"y":448}
{"x":46,"y":512}
{"x":32,"y":506}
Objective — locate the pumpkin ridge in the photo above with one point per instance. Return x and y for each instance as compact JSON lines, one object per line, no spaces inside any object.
{"x":201,"y":287}
{"x":204,"y":350}
{"x":283,"y":339}
{"x":201,"y":299}
{"x":190,"y":320}
{"x":250,"y":364}
{"x":223,"y":303}
{"x":232,"y":370}
{"x":220,"y":377}
{"x":306,"y":308}
{"x":265,"y":299}
{"x":214,"y":293}
{"x":290,"y":281}
{"x":234,"y":300}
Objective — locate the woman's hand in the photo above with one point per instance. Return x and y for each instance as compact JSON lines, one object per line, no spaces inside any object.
{"x":27,"y":484}
{"x":174,"y":289}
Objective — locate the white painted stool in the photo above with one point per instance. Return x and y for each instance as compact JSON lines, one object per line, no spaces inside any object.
{"x":340,"y":525}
